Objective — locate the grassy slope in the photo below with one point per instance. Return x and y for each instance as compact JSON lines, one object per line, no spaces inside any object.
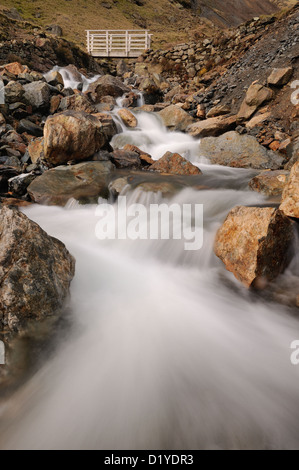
{"x":167,"y":19}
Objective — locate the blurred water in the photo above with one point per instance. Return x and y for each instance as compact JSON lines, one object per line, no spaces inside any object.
{"x":168,"y":351}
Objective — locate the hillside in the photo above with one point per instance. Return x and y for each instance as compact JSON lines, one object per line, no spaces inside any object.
{"x":171,"y":21}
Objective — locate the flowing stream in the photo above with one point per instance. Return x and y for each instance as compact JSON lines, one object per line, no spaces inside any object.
{"x":167,"y":350}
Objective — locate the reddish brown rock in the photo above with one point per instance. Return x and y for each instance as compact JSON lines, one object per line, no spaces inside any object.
{"x":290,"y":197}
{"x":14,"y":67}
{"x":144,"y":157}
{"x":270,"y":183}
{"x":72,"y":135}
{"x":77,"y":102}
{"x":127,"y":117}
{"x":36,"y":149}
{"x":274,"y":145}
{"x":253,"y":244}
{"x":173,"y":163}
{"x":54,"y":104}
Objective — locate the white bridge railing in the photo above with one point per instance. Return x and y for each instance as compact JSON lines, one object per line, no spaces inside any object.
{"x":122,"y":43}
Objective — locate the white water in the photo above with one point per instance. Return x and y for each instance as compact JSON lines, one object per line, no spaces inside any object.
{"x":70,"y":81}
{"x":168,"y":350}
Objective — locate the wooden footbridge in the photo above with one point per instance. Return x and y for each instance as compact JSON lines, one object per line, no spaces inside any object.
{"x":122,"y":43}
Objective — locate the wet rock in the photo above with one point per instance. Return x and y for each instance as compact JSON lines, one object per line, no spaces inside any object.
{"x":280,"y":77}
{"x":127,"y":117}
{"x":35,"y":272}
{"x":239,"y":151}
{"x":175,"y":164}
{"x":106,"y":85}
{"x":175,"y":118}
{"x":290,"y":197}
{"x":212,"y":127}
{"x":54,"y":78}
{"x":81,"y":181}
{"x":145,"y":158}
{"x":165,"y":188}
{"x":77,"y":102}
{"x":126,"y":159}
{"x":17,"y":186}
{"x":30,"y":128}
{"x":37,"y":94}
{"x":116,"y":186}
{"x":253,"y":243}
{"x":270,"y":183}
{"x":72,"y":135}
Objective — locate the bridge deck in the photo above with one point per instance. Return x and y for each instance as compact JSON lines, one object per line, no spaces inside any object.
{"x":112,"y":43}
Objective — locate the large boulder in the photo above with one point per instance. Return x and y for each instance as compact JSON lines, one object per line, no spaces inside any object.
{"x":37,"y":94}
{"x":256,"y":96}
{"x":212,"y":126}
{"x":290,"y":196}
{"x":175,"y":118}
{"x":175,"y":164}
{"x":82,"y":182}
{"x":72,"y":135}
{"x":106,"y":85}
{"x":239,"y":151}
{"x":253,"y":243}
{"x":270,"y":183}
{"x":35,"y":271}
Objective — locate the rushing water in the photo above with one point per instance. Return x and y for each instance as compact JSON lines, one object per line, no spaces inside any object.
{"x":168,"y":351}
